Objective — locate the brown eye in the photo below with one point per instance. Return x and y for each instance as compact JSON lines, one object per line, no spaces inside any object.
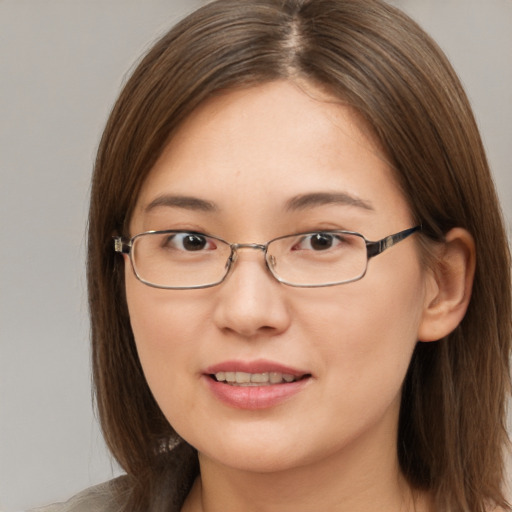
{"x":189,"y":242}
{"x":321,"y":241}
{"x":193,"y":242}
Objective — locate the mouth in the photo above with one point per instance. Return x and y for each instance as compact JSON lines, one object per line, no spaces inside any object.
{"x":246,"y":379}
{"x":255,"y":385}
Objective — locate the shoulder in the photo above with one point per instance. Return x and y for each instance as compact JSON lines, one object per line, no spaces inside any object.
{"x":99,"y":498}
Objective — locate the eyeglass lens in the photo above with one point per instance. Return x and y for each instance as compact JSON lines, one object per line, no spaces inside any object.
{"x":187,"y":260}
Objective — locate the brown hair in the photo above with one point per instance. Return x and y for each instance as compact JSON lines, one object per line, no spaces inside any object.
{"x":452,"y":421}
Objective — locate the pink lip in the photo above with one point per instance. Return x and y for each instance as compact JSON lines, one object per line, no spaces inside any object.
{"x":258,"y":366}
{"x":254,"y":397}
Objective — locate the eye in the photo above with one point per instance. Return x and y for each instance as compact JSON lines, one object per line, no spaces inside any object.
{"x":189,"y":242}
{"x":321,"y":241}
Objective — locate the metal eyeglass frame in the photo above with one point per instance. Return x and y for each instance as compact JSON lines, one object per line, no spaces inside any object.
{"x":373,"y":248}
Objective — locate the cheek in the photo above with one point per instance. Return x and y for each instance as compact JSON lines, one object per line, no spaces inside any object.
{"x":162,"y":320}
{"x":164,"y":331}
{"x":367,"y":336}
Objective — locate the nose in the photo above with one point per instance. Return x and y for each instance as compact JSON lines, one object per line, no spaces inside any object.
{"x":251,"y":302}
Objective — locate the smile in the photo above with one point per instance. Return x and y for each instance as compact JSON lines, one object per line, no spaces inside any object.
{"x":255,"y":379}
{"x":255,"y":385}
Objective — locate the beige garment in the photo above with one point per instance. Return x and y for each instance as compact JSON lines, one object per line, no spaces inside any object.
{"x":169,"y":492}
{"x":95,"y":499}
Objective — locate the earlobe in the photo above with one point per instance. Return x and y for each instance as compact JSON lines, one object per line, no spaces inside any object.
{"x":449,"y":287}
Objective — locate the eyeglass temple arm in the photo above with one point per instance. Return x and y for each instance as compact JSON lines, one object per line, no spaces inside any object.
{"x":121,"y":246}
{"x":375,"y":248}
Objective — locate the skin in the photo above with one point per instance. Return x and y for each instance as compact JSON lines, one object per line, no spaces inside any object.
{"x":331,"y":446}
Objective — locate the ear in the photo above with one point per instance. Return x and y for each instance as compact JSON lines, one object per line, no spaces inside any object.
{"x":449,"y":286}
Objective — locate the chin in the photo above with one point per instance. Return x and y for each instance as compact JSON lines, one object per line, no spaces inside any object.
{"x":266,"y":451}
{"x":261,"y":460}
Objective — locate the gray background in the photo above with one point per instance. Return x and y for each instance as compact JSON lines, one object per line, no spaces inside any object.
{"x":61,"y":65}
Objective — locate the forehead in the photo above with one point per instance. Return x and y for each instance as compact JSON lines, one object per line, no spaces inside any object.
{"x":271,"y":114}
{"x":257,"y":148}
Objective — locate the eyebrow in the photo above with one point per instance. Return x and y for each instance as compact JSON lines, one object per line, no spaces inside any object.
{"x":185,"y":202}
{"x":300,"y":202}
{"x":305,"y":201}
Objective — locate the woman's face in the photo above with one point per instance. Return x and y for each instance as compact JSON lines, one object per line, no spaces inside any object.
{"x":264,"y":159}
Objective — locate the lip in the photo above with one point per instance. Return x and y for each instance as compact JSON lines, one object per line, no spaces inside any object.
{"x":258,"y":366}
{"x":254,"y":397}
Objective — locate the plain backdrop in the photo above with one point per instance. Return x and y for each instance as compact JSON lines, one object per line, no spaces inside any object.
{"x":62,"y":63}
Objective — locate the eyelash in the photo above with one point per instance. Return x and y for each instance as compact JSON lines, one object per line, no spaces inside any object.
{"x":181,"y":238}
{"x":334,"y":238}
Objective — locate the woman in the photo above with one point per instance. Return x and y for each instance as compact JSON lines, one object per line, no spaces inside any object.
{"x":306,"y":304}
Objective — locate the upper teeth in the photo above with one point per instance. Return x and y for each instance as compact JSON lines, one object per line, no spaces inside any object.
{"x":254,"y":379}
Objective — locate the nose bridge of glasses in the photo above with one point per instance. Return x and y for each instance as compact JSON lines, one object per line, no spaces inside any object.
{"x":260,"y":247}
{"x":268,"y":259}
{"x":236,"y":247}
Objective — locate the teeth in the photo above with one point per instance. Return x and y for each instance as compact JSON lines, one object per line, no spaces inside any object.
{"x":242,"y":378}
{"x":254,"y":379}
{"x":259,"y":378}
{"x":275,"y":377}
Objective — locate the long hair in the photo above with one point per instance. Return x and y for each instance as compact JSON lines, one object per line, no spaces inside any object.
{"x":373,"y":57}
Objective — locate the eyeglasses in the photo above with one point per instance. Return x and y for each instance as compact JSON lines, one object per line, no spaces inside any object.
{"x":187,"y":259}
